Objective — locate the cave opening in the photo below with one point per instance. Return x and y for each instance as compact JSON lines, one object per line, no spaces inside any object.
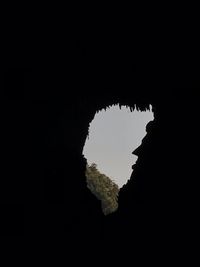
{"x":113,"y":134}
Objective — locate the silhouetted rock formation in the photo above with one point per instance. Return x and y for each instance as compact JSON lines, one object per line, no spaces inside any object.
{"x":160,"y":200}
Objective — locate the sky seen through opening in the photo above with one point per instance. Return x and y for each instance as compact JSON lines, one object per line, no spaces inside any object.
{"x":114,"y":134}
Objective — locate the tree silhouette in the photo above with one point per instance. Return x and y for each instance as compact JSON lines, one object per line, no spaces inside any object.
{"x":103,"y":188}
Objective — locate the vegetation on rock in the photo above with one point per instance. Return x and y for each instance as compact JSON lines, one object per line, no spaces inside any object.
{"x":103,"y":188}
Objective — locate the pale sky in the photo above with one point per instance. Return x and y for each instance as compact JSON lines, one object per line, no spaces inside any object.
{"x":113,"y":135}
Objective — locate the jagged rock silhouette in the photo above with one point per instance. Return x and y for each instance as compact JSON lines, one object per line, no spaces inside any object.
{"x":161,"y":199}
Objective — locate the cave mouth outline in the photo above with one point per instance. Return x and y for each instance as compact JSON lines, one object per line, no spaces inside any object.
{"x":117,"y":121}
